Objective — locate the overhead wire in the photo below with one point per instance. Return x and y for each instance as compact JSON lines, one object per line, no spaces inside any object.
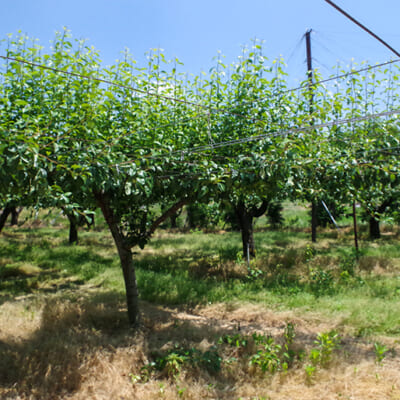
{"x":283,"y":133}
{"x":234,"y":141}
{"x":202,"y":106}
{"x":102,"y":80}
{"x":386,"y":150}
{"x":272,"y":134}
{"x":226,"y":170}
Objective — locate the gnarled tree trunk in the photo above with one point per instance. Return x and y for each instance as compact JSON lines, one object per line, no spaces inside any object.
{"x":125,"y":256}
{"x":374,"y":230}
{"x":245,"y":218}
{"x":314,"y":221}
{"x":124,"y":246}
{"x":14,"y":215}
{"x":73,"y":228}
{"x":4,"y":215}
{"x":246,"y":228}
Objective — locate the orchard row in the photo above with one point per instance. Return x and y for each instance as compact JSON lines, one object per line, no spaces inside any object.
{"x":141,"y":142}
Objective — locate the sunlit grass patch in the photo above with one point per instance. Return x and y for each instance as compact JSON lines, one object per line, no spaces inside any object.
{"x":201,"y":268}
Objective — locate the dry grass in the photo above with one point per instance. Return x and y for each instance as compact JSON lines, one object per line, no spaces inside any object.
{"x":76,"y":343}
{"x":79,"y":346}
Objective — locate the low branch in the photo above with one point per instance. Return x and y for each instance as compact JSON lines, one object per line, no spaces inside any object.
{"x":258,"y":212}
{"x":171,"y":211}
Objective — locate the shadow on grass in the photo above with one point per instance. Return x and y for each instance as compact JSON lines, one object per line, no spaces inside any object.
{"x":26,"y":270}
{"x":50,"y":362}
{"x":57,"y":358}
{"x":74,"y":334}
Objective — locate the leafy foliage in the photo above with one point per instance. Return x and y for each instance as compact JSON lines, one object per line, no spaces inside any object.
{"x":142,"y":142}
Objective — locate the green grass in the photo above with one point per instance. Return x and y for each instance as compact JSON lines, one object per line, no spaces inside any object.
{"x":362,"y":294}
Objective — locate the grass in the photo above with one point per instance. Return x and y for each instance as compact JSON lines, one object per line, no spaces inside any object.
{"x":64,"y":330}
{"x":196,"y":268}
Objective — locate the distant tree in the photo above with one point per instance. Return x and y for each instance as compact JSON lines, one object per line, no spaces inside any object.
{"x":256,"y":168}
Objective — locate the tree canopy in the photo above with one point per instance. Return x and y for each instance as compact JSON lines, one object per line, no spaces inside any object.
{"x":141,"y":142}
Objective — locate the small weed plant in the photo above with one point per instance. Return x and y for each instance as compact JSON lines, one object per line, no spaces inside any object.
{"x":347,"y":266}
{"x":253,"y":273}
{"x":380,"y":352}
{"x":268,"y":358}
{"x":326,"y":344}
{"x":321,"y":281}
{"x":261,"y":352}
{"x":236,"y":340}
{"x":321,"y":355}
{"x":309,"y":253}
{"x":289,"y":333}
{"x":174,"y":360}
{"x":271,"y":356}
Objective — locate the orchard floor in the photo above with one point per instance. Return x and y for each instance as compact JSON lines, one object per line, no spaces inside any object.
{"x":76,"y":344}
{"x":64,"y":332}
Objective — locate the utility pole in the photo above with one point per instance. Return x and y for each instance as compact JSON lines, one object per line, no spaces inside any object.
{"x":311,"y":101}
{"x":375,"y":36}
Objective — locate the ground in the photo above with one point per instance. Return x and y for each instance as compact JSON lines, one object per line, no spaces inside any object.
{"x":73,"y":346}
{"x":64,"y":331}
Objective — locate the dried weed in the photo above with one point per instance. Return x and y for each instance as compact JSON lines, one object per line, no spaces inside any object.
{"x":83,"y":349}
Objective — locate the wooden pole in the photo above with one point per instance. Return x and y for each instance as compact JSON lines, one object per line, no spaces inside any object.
{"x":355,"y":227}
{"x":314,"y":215}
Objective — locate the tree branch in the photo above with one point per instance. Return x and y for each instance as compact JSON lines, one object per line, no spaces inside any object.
{"x":258,"y":212}
{"x":171,"y":211}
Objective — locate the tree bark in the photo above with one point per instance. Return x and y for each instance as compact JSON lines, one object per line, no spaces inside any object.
{"x":174,"y":219}
{"x":131,"y":288}
{"x":355,"y":228}
{"x":374,"y":229}
{"x":245,"y":220}
{"x":167,"y":214}
{"x":3,"y":217}
{"x":14,"y":215}
{"x":189,"y":217}
{"x":125,"y":256}
{"x":73,"y":228}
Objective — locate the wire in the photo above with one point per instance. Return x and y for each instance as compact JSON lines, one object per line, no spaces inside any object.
{"x":101,"y":80}
{"x":364,"y":153}
{"x":197,"y":105}
{"x":282,"y":133}
{"x":315,"y":84}
{"x":202,"y":106}
{"x":234,"y":141}
{"x":285,"y":133}
{"x":300,"y":41}
{"x":256,"y":168}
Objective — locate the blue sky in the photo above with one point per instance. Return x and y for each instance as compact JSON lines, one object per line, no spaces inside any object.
{"x":194,"y":31}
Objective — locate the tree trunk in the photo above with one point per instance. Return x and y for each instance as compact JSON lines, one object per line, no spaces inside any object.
{"x":73,"y":228}
{"x":3,"y":217}
{"x":374,"y":230}
{"x":173,"y":220}
{"x":246,"y":227}
{"x":132,"y":292}
{"x":14,"y":215}
{"x":125,"y":256}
